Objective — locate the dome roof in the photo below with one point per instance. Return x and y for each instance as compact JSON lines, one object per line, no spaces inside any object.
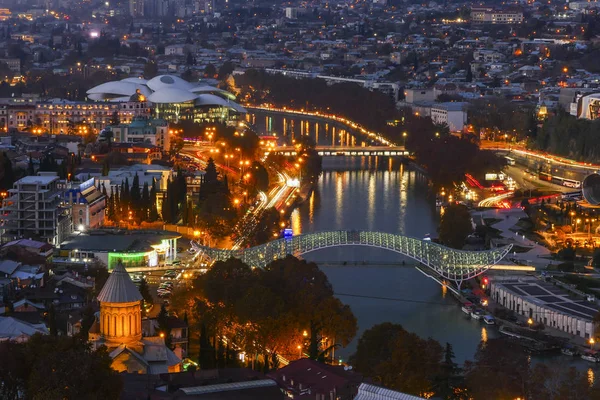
{"x":172,"y":95}
{"x":168,"y":81}
{"x":212,"y":89}
{"x":140,"y":81}
{"x":119,"y":288}
{"x":213,"y":100}
{"x":119,"y":88}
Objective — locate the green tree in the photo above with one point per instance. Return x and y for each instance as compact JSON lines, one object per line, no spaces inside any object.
{"x":210,"y":71}
{"x":7,"y":175}
{"x":455,"y":226}
{"x":145,"y":203}
{"x":146,"y":295}
{"x":394,"y":357}
{"x":449,"y":383}
{"x":150,"y":70}
{"x":61,"y":367}
{"x":499,"y":371}
{"x":153,"y":207}
{"x":163,"y":325}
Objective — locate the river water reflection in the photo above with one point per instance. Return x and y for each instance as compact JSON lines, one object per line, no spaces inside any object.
{"x":385,"y":196}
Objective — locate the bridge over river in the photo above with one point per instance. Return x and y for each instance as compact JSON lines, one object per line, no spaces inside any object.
{"x":454,"y":265}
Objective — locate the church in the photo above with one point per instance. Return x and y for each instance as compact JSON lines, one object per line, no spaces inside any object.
{"x":119,"y":328}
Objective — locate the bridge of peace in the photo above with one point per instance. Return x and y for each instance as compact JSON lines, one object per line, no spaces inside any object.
{"x":451,"y":264}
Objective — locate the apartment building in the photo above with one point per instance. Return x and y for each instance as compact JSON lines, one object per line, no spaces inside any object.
{"x":143,"y":130}
{"x":451,"y":114}
{"x":491,"y":15}
{"x":87,"y":203}
{"x":33,"y":210}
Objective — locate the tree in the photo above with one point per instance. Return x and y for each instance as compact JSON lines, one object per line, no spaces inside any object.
{"x":7,"y":175}
{"x":455,"y":225}
{"x":163,"y":325}
{"x":62,"y":367}
{"x":499,"y":371}
{"x":558,"y":382}
{"x":145,"y":203}
{"x":153,"y":209}
{"x":150,"y":70}
{"x":394,"y":358}
{"x":210,"y":71}
{"x":449,"y":383}
{"x":469,"y":77}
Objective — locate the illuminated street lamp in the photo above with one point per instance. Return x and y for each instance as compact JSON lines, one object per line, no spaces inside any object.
{"x":530,"y":321}
{"x":592,"y":342}
{"x":404,"y":135}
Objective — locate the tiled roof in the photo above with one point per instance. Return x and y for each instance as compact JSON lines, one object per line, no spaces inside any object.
{"x":119,"y":288}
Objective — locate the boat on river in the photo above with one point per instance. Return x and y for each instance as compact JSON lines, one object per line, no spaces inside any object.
{"x":477,"y":314}
{"x":467,"y":308}
{"x":591,"y":355}
{"x":569,"y":351}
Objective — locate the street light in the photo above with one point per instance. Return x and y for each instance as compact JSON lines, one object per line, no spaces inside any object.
{"x":404,"y":135}
{"x":592,"y":342}
{"x":530,"y":321}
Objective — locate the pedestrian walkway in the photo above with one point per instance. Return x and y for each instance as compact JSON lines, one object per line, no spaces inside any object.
{"x":507,"y":225}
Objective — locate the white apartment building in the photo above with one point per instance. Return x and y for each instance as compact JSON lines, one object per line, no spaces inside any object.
{"x":490,"y":15}
{"x":32,"y":210}
{"x":451,"y":114}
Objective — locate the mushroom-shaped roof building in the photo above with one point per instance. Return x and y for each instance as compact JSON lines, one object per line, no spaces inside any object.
{"x":166,"y":91}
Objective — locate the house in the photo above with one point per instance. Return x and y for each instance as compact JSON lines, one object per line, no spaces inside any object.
{"x":317,"y":380}
{"x":16,"y":330}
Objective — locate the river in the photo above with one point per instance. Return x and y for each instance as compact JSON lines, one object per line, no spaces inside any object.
{"x":354,"y":194}
{"x":381,"y":194}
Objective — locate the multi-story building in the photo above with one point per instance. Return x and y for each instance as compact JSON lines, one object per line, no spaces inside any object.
{"x":33,"y":209}
{"x":87,"y":204}
{"x":451,"y":114}
{"x":14,"y":64}
{"x":547,"y":304}
{"x":491,"y":15}
{"x":136,"y":8}
{"x":61,"y":116}
{"x":143,"y":130}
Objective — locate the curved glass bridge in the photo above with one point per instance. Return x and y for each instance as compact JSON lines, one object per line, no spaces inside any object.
{"x":451,"y":264}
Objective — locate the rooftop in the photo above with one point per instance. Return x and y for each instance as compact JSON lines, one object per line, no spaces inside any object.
{"x":550,"y":296}
{"x":119,"y":288}
{"x":117,"y":241}
{"x":37,"y":180}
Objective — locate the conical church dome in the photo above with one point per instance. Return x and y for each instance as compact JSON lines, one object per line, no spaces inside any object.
{"x":119,"y":288}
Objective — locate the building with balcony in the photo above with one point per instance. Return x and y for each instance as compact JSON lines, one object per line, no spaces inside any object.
{"x":61,"y":116}
{"x":33,"y":210}
{"x":87,"y":203}
{"x":491,"y":15}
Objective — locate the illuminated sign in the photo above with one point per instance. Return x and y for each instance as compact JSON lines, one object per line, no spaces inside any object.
{"x":288,"y":233}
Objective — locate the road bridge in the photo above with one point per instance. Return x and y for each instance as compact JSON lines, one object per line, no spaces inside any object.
{"x":348,"y":151}
{"x":451,"y":264}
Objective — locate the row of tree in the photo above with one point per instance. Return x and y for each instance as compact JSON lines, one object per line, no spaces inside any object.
{"x":565,"y":135}
{"x":132,"y":202}
{"x":400,"y":360}
{"x":267,"y":312}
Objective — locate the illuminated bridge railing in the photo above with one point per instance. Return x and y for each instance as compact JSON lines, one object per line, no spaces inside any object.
{"x":452,"y":264}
